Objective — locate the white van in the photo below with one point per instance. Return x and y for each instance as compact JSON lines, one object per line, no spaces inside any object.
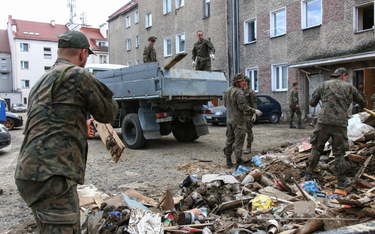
{"x":95,"y":68}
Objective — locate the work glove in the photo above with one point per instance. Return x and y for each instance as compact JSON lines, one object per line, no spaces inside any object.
{"x":258,"y":112}
{"x":212,"y":56}
{"x":193,"y":63}
{"x":254,"y":117}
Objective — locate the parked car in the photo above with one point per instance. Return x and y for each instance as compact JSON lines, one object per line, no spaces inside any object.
{"x":18,"y":107}
{"x":269,"y":106}
{"x":5,"y":138}
{"x":13,"y":121}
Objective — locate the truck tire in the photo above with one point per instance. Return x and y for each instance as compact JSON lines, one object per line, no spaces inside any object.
{"x":184,"y":132}
{"x":132,"y":133}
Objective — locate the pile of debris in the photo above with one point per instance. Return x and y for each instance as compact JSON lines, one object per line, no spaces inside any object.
{"x":268,"y":196}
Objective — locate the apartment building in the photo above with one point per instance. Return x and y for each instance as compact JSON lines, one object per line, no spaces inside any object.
{"x":304,"y":41}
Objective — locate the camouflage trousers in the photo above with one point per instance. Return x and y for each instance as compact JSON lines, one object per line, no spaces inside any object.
{"x":249,"y":130}
{"x":235,"y":139}
{"x":320,"y":136}
{"x":54,"y":203}
{"x":203,"y":65}
{"x":297,"y":111}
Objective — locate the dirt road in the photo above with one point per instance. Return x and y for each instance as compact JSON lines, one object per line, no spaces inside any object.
{"x":164,"y":165}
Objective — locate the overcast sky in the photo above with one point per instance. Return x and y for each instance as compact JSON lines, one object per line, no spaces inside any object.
{"x":97,"y":12}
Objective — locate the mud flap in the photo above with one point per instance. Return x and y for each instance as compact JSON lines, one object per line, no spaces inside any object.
{"x":148,"y":124}
{"x":200,"y":123}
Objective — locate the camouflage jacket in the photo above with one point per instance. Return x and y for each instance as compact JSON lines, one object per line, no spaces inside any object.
{"x":251,"y":98}
{"x":373,"y":101}
{"x":293,"y":98}
{"x":336,"y":96}
{"x":55,"y":140}
{"x":149,"y":54}
{"x":202,"y":50}
{"x":237,"y":106}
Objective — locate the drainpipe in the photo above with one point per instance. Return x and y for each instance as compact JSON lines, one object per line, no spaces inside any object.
{"x":235,"y":48}
{"x":237,"y":40}
{"x":233,"y":44}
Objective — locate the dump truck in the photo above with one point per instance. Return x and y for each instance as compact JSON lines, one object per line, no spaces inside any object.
{"x":155,"y":102}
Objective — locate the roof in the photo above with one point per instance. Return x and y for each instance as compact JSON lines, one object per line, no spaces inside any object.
{"x":37,"y":30}
{"x":92,"y":35}
{"x":4,"y":42}
{"x":123,"y":9}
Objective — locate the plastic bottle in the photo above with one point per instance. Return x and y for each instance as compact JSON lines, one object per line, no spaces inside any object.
{"x":257,"y":161}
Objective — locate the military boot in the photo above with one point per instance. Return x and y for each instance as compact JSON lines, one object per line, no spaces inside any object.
{"x":343,"y":184}
{"x":291,"y":126}
{"x":300,"y":126}
{"x":229,"y":162}
{"x":248,"y":149}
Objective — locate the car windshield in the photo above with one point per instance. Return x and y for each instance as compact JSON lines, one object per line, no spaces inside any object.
{"x":18,"y":104}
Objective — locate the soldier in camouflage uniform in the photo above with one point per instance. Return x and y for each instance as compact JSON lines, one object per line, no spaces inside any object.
{"x":250,"y":119}
{"x":373,"y":101}
{"x":203,"y":51}
{"x":294,"y":107}
{"x":53,"y":155}
{"x":336,"y":95}
{"x":149,"y":54}
{"x":237,"y":108}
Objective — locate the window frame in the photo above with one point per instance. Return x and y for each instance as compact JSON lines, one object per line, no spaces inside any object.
{"x":273,"y":23}
{"x":129,"y":64}
{"x":136,"y":17}
{"x":128,"y":21}
{"x":137,"y":41}
{"x":4,"y":68}
{"x":47,"y":56}
{"x":4,"y":76}
{"x":103,"y":59}
{"x":179,"y":3}
{"x":166,"y":46}
{"x":178,"y":36}
{"x":252,"y":70}
{"x":167,"y":5}
{"x":279,"y":79}
{"x":148,"y":20}
{"x":304,"y":15}
{"x":137,"y":62}
{"x":246,"y":34}
{"x":128,"y":44}
{"x":3,"y":61}
{"x":206,"y":8}
{"x":24,"y":82}
{"x":22,"y":47}
{"x":24,"y":63}
{"x":356,"y":17}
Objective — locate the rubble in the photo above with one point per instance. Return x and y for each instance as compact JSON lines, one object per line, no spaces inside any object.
{"x":270,"y":198}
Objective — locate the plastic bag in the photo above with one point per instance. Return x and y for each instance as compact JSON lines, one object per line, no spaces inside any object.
{"x":311,"y":187}
{"x":357,"y":130}
{"x":261,"y":203}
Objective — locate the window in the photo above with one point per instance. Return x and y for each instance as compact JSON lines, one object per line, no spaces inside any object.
{"x":278,"y":23}
{"x":3,"y":68}
{"x":136,"y":41}
{"x":364,"y":16}
{"x":46,"y":68}
{"x":25,"y":83}
{"x":252,"y":73}
{"x":206,"y":8}
{"x":4,"y":76}
{"x":250,"y":31}
{"x":179,"y":3}
{"x":128,"y":44}
{"x":180,"y":43}
{"x":167,"y":6}
{"x":136,"y":17}
{"x":24,"y":47}
{"x":3,"y":61}
{"x":264,"y":101}
{"x":128,"y":21}
{"x":24,"y":64}
{"x":129,"y":64}
{"x":311,"y":13}
{"x":168,"y":46}
{"x":280,"y":77}
{"x":47,"y":49}
{"x":47,"y":56}
{"x":137,"y":62}
{"x":103,"y":58}
{"x":148,"y":20}
{"x":102,"y":43}
{"x":25,"y":101}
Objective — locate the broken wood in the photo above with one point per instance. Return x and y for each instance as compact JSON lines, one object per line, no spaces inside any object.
{"x":175,"y":60}
{"x":110,"y":139}
{"x":362,"y":170}
{"x":369,"y":176}
{"x":369,"y":111}
{"x":299,"y":188}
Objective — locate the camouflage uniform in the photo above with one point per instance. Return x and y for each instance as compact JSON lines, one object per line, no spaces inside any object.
{"x":252,"y":100}
{"x":336,"y":96}
{"x":201,"y":51}
{"x":149,"y":54}
{"x":293,"y":102}
{"x":53,"y":154}
{"x":237,"y":108}
{"x":373,"y":101}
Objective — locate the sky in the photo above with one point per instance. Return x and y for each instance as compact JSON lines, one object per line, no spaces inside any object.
{"x":97,"y":12}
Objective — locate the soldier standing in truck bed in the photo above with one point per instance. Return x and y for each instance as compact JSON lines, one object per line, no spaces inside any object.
{"x":203,"y":51}
{"x":149,"y":54}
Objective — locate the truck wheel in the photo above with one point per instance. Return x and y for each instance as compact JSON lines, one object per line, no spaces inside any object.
{"x":184,"y":132}
{"x":132,"y":132}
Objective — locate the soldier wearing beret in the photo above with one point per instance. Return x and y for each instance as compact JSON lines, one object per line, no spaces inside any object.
{"x":53,"y":155}
{"x":149,"y":53}
{"x":336,"y":96}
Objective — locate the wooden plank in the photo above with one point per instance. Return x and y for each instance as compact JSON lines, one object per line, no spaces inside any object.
{"x":369,"y":176}
{"x":175,"y":60}
{"x":110,"y":139}
{"x":360,"y":172}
